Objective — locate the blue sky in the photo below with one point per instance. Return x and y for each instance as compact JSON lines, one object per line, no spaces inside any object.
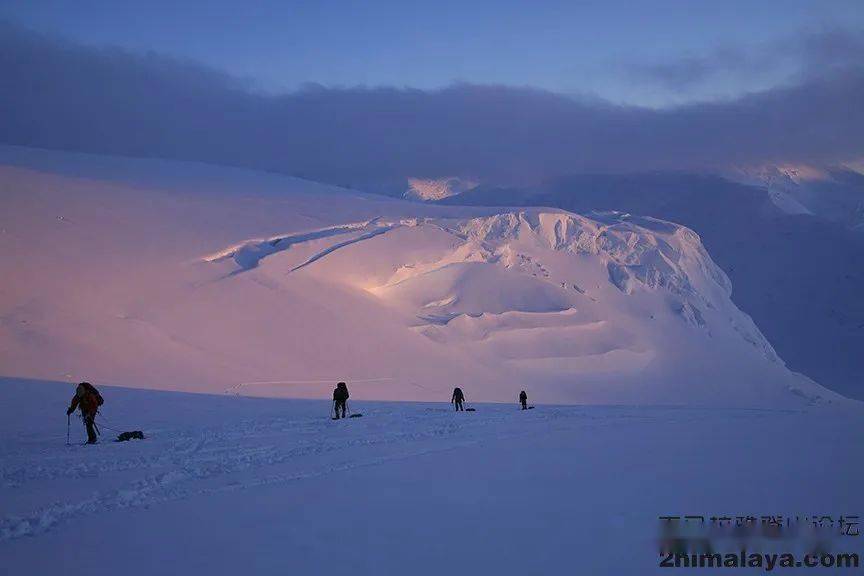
{"x":620,"y":51}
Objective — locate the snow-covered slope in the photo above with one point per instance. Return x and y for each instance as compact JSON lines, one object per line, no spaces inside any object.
{"x":400,"y":488}
{"x":261,"y":285}
{"x":835,"y":194}
{"x":782,"y":183}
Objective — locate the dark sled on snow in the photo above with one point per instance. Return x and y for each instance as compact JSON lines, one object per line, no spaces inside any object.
{"x":133,"y":435}
{"x":470,"y":409}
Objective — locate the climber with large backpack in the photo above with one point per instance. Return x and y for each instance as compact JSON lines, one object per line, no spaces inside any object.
{"x":457,"y":399}
{"x":88,"y":400}
{"x":340,"y":399}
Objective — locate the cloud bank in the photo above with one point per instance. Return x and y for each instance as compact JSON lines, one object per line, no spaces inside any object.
{"x":106,"y":100}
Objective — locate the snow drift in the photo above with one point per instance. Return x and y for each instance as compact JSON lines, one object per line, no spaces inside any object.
{"x":259,"y":284}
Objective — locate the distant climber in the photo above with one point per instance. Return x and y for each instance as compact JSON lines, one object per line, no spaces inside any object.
{"x":88,"y":399}
{"x":523,"y":399}
{"x":340,"y":399}
{"x":457,"y":399}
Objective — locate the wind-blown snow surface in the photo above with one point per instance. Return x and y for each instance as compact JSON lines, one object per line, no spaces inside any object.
{"x":187,"y":277}
{"x":228,"y":485}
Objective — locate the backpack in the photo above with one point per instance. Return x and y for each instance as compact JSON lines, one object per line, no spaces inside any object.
{"x":92,"y":390}
{"x":341,"y":392}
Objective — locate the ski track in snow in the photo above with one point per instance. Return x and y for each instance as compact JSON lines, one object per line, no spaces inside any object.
{"x":240,"y":455}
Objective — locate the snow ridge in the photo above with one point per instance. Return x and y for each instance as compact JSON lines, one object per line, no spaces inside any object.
{"x":249,"y":253}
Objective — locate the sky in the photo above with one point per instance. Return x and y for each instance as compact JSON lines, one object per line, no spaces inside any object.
{"x":656,"y":53}
{"x":498,"y":92}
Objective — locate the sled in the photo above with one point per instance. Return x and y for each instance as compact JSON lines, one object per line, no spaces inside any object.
{"x":133,"y":435}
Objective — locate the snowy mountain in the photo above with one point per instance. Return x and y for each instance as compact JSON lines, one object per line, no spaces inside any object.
{"x":783,"y":183}
{"x":835,"y":194}
{"x":428,"y":190}
{"x":196,"y":278}
{"x":798,"y":276}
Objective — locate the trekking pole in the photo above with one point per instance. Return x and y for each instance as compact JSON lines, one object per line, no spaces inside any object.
{"x":68,"y":425}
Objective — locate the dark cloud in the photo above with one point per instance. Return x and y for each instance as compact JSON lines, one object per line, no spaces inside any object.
{"x":828,"y":51}
{"x":689,"y":71}
{"x":798,"y":57}
{"x":105,"y":100}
